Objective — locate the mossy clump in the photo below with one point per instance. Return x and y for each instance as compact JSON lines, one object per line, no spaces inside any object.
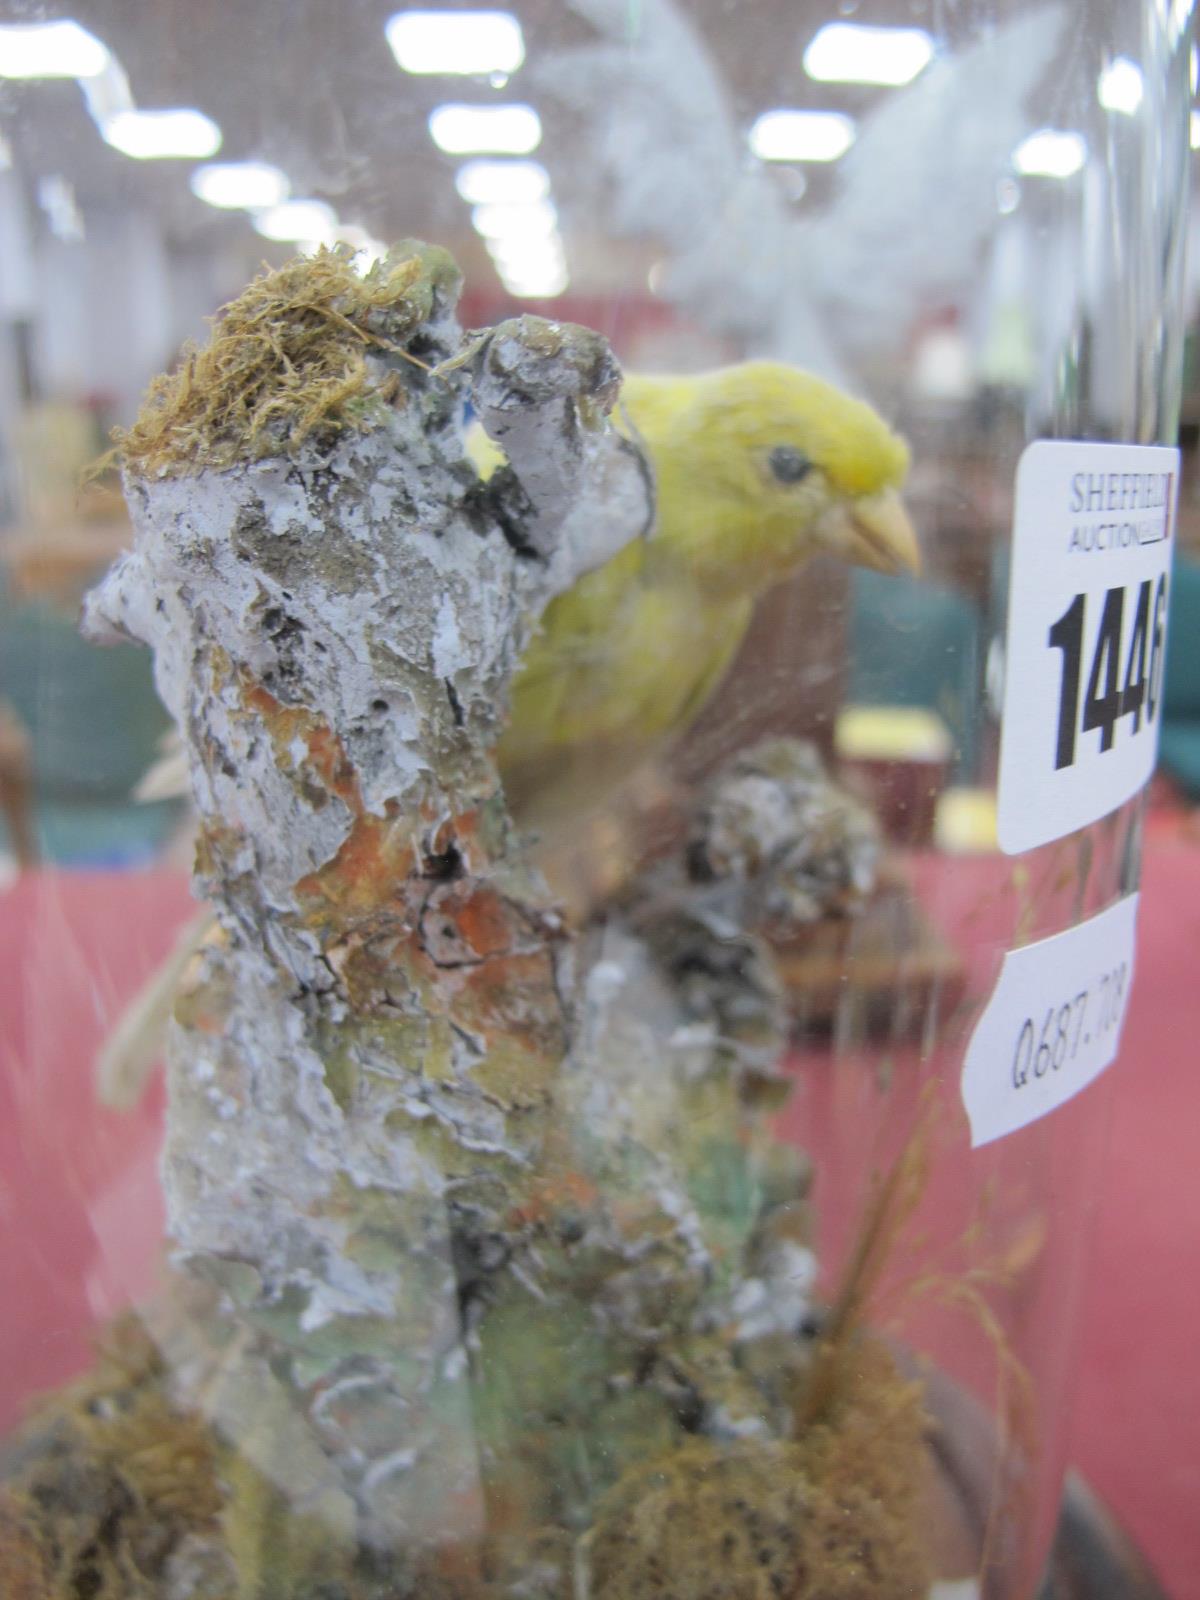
{"x":833,"y":1515}
{"x":288,"y":359}
{"x":25,"y":1572}
{"x":106,"y":1482}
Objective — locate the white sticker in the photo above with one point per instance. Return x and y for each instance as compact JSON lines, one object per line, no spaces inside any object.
{"x":1052,"y":1024}
{"x":1086,"y":639}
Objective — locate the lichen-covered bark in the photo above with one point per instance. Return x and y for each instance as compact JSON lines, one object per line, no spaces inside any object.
{"x":361,"y":1077}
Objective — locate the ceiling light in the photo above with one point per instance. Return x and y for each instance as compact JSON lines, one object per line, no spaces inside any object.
{"x":303,"y":221}
{"x":162,"y":135}
{"x":467,"y":42}
{"x":1050,"y":153}
{"x":530,"y":261}
{"x":503,"y":182}
{"x":499,"y":130}
{"x":50,"y":50}
{"x":801,"y":135}
{"x":1120,"y":86}
{"x":535,"y":286}
{"x":1196,"y":130}
{"x":240,"y":185}
{"x":523,"y":258}
{"x":849,"y":52}
{"x":106,"y":94}
{"x":532,"y":221}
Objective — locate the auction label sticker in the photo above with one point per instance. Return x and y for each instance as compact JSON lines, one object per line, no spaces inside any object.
{"x":1086,"y":637}
{"x":1052,"y":1025}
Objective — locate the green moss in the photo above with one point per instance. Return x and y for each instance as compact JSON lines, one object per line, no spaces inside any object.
{"x":280,"y":1552}
{"x":558,"y":1419}
{"x":104,"y":1481}
{"x":834,"y":1515}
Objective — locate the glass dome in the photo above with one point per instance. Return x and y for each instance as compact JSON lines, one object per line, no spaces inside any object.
{"x":626,"y":833}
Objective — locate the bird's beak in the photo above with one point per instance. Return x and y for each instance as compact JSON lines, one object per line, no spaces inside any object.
{"x":879,"y":534}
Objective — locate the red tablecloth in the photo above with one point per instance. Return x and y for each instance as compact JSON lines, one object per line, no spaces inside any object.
{"x":80,"y":1211}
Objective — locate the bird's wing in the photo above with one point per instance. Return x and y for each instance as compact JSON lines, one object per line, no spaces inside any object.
{"x":915,"y":198}
{"x":917,"y":191}
{"x":658,"y":117}
{"x":670,"y":162}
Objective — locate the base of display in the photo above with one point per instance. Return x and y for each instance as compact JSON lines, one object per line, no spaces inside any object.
{"x":1093,"y":1557}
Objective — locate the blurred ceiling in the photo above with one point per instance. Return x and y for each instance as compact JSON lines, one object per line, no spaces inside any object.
{"x":313,"y":88}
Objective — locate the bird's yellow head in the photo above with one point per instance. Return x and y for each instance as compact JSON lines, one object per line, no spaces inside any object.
{"x":761,"y":466}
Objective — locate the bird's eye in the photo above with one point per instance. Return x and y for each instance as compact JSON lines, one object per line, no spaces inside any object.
{"x":789,"y":464}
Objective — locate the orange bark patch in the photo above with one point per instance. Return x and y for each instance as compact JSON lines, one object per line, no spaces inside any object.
{"x":564,"y":1191}
{"x":515,"y":996}
{"x":326,"y":756}
{"x":367,"y":872}
{"x":467,"y":922}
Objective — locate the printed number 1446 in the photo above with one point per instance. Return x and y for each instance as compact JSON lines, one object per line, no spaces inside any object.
{"x":1120,"y":681}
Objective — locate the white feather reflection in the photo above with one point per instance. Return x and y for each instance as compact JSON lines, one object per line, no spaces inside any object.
{"x":915,"y":195}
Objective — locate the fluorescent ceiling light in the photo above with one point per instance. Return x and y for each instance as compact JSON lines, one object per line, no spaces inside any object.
{"x":848,"y":52}
{"x":533,"y":221}
{"x":468,"y":42}
{"x":801,"y":135}
{"x":521,"y":258}
{"x":298,"y":221}
{"x":497,"y":130}
{"x":1120,"y":86}
{"x":50,"y":50}
{"x":240,"y":185}
{"x":162,"y":135}
{"x":530,"y":267}
{"x":106,"y":94}
{"x":503,"y":182}
{"x":535,"y":286}
{"x":1050,"y":153}
{"x":1196,"y":130}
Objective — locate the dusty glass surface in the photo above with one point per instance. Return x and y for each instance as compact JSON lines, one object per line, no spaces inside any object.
{"x":575,"y":570}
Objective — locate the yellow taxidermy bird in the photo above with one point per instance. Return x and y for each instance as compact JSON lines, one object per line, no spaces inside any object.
{"x":758,"y":467}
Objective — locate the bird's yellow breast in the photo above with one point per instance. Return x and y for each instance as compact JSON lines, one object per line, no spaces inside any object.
{"x":620,"y":662}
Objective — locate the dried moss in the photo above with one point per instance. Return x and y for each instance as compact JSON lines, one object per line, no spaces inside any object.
{"x":834,"y":1515}
{"x":289,"y":359}
{"x":105,"y":1482}
{"x":24,"y":1565}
